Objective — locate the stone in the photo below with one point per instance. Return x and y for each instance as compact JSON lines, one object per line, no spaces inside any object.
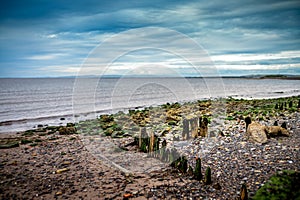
{"x":256,"y":132}
{"x":67,"y":130}
{"x":10,"y":145}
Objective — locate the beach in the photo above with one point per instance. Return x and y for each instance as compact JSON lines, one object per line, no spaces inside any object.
{"x":62,"y":162}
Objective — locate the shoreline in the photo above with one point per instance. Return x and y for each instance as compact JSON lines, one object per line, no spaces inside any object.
{"x":62,"y":120}
{"x":59,"y":159}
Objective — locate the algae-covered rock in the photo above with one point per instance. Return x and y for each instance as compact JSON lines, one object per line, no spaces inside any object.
{"x":281,"y":186}
{"x":9,"y":145}
{"x":67,"y":130}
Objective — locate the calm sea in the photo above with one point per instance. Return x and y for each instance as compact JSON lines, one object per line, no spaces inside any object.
{"x":26,"y":103}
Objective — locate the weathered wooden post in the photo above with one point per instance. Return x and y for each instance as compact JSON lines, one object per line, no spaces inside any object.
{"x":144,"y":140}
{"x":151,"y":143}
{"x":194,"y":127}
{"x":207,"y":178}
{"x":167,"y":155}
{"x":184,"y":165}
{"x":291,"y":104}
{"x":281,"y":106}
{"x":185,"y":131}
{"x":156,"y":145}
{"x":244,"y":193}
{"x":163,"y":151}
{"x":283,"y":125}
{"x":197,"y":172}
{"x":203,"y":129}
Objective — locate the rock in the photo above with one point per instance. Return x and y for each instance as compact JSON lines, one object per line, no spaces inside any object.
{"x":25,"y":141}
{"x":127,"y":196}
{"x":282,"y":185}
{"x":274,"y":131}
{"x":58,"y":193}
{"x":10,"y":145}
{"x":70,"y":124}
{"x":217,"y":186}
{"x":67,"y":130}
{"x":172,"y":123}
{"x":59,"y":171}
{"x":256,"y":132}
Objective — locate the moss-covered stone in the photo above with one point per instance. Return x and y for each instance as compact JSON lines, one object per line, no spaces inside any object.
{"x":9,"y":145}
{"x":281,"y":186}
{"x":25,"y":141}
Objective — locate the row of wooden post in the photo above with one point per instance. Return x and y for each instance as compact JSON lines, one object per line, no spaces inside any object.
{"x":150,"y":144}
{"x":282,"y":106}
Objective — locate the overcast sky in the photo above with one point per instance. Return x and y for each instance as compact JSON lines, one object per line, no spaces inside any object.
{"x":40,"y":38}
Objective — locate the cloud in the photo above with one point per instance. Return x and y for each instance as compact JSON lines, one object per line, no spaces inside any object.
{"x":38,"y":35}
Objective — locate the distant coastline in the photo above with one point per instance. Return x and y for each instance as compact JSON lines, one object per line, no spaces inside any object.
{"x":254,"y":76}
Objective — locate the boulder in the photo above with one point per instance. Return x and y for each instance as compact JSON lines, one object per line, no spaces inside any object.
{"x":256,"y":132}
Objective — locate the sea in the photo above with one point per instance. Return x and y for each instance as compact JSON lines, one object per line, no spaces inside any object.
{"x":26,"y":103}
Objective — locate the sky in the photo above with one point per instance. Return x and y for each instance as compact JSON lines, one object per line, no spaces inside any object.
{"x":40,"y":38}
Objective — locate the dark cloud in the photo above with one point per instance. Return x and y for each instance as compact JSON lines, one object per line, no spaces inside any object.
{"x":41,"y":33}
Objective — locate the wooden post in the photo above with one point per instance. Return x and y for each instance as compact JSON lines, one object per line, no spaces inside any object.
{"x":156,"y":145}
{"x":184,"y":165}
{"x":185,"y":131}
{"x":291,"y":104}
{"x":207,"y":178}
{"x":244,"y":193}
{"x":197,"y":172}
{"x":144,"y":140}
{"x":151,"y":142}
{"x":163,"y":151}
{"x":281,"y":106}
{"x":194,"y":127}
